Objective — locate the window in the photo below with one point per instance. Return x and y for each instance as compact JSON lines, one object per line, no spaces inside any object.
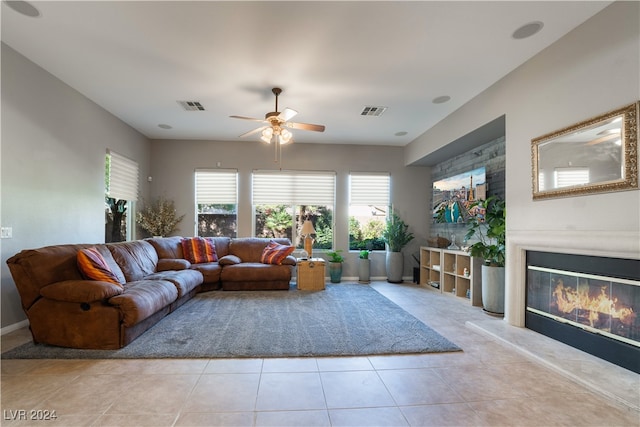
{"x":368,"y":208}
{"x":121,"y":189}
{"x":283,"y":200}
{"x":216,"y":202}
{"x":570,"y":177}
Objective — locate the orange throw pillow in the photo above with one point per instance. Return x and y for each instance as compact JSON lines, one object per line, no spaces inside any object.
{"x":275,"y":253}
{"x":197,"y":250}
{"x":93,"y":266}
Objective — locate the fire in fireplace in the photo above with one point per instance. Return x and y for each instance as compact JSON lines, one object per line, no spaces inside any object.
{"x":592,"y":303}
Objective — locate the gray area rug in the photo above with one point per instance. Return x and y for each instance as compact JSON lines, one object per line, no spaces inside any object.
{"x":343,"y":320}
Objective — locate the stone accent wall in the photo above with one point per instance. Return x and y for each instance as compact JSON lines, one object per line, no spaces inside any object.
{"x":490,"y":155}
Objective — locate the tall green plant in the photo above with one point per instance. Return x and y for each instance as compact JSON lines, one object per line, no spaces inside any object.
{"x":396,"y":233}
{"x":490,"y":231}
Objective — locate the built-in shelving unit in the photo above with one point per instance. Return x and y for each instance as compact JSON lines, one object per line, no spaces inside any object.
{"x":451,"y":272}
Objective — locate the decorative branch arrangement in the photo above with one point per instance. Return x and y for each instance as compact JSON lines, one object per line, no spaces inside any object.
{"x":159,"y":218}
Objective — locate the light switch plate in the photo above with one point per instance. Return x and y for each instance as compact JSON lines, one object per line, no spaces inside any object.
{"x":6,"y":233}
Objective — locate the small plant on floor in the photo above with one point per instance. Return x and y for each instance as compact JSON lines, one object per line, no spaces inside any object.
{"x":364,"y":254}
{"x":334,"y":256}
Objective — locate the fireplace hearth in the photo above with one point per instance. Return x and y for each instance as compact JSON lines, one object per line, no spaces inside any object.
{"x":591,"y":303}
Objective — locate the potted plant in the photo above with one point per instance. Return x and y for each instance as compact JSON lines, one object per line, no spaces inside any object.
{"x":488,"y":226}
{"x":364,"y":267}
{"x":396,"y":235}
{"x":159,"y":218}
{"x":335,"y":265}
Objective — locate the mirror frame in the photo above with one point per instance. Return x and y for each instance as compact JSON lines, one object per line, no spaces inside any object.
{"x":629,"y":180}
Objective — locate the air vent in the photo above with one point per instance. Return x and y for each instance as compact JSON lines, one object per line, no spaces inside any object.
{"x":191,"y":105}
{"x":373,"y":111}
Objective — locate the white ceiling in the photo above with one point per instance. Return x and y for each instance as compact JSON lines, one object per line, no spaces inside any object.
{"x":137,"y":59}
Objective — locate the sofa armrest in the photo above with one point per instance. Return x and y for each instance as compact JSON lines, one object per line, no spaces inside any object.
{"x":81,"y":291}
{"x":172,"y":264}
{"x":289,"y":260}
{"x":229,"y":260}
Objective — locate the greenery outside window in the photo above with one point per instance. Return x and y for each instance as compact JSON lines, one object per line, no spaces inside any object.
{"x":283,"y":200}
{"x":121,"y":190}
{"x":368,"y":209}
{"x":216,"y":202}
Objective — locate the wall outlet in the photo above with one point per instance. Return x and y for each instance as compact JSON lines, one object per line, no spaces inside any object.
{"x":6,"y":233}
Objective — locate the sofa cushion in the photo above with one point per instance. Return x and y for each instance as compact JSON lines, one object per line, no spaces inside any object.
{"x":137,"y":258}
{"x":198,"y":250}
{"x":229,"y":260}
{"x":173,"y":264}
{"x":210,"y":271}
{"x":93,"y":266}
{"x":81,"y":290}
{"x":184,"y":280}
{"x":275,"y":253}
{"x":143,"y":298}
{"x":249,"y":249}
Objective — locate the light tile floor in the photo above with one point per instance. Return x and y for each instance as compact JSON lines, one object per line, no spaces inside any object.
{"x":504,"y":377}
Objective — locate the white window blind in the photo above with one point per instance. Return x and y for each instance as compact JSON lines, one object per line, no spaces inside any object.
{"x":569,"y":177}
{"x":293,"y":188}
{"x":369,"y":189}
{"x":123,"y":177}
{"x":216,"y":186}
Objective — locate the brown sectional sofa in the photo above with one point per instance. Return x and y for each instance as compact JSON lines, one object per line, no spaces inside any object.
{"x":65,"y":309}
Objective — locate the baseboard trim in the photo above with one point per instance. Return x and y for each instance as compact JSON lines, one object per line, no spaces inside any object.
{"x":14,"y":327}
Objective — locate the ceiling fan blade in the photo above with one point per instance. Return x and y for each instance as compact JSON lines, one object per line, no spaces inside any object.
{"x":604,"y":138}
{"x":287,"y":114}
{"x":305,"y":126}
{"x":247,"y":118}
{"x":251,"y":132}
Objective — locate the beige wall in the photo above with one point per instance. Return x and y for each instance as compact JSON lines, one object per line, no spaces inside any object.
{"x":592,"y":70}
{"x":54,"y":142}
{"x":174,"y":163}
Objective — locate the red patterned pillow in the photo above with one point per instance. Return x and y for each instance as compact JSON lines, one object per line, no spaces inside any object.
{"x":275,"y":253}
{"x":197,"y":250}
{"x":93,"y":266}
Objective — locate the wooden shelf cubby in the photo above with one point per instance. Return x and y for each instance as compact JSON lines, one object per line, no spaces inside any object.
{"x":451,"y":272}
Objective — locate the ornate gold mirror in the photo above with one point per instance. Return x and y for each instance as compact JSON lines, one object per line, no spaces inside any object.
{"x":595,"y":156}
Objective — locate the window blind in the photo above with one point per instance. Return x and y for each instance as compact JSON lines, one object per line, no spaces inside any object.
{"x":294,"y":188}
{"x":123,"y":177}
{"x":569,"y":177}
{"x":216,"y":186}
{"x":369,"y":189}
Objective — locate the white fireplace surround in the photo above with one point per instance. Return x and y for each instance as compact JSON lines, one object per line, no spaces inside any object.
{"x":614,"y":244}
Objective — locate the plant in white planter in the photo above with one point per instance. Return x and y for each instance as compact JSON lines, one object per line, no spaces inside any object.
{"x":364,"y":267}
{"x":490,"y":230}
{"x":396,"y":235}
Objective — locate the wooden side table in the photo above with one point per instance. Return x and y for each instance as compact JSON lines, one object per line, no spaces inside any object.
{"x":310,"y":274}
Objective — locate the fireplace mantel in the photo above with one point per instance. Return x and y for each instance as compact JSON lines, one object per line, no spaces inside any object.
{"x":616,"y":244}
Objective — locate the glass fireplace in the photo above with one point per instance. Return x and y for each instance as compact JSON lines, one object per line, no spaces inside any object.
{"x":591,"y":303}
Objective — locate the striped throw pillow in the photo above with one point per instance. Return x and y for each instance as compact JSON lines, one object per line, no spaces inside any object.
{"x":93,"y":266}
{"x":275,"y":253}
{"x":197,"y":250}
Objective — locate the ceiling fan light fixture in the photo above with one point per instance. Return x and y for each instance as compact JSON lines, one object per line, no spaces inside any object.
{"x":267,"y":133}
{"x":285,"y":137}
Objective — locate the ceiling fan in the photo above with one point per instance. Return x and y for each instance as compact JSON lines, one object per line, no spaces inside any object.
{"x":276,"y":124}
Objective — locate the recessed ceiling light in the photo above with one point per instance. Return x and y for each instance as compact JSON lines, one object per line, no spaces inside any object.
{"x":441,"y":99}
{"x":527,"y":30}
{"x":401,"y":133}
{"x":164,"y":126}
{"x":23,"y":7}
